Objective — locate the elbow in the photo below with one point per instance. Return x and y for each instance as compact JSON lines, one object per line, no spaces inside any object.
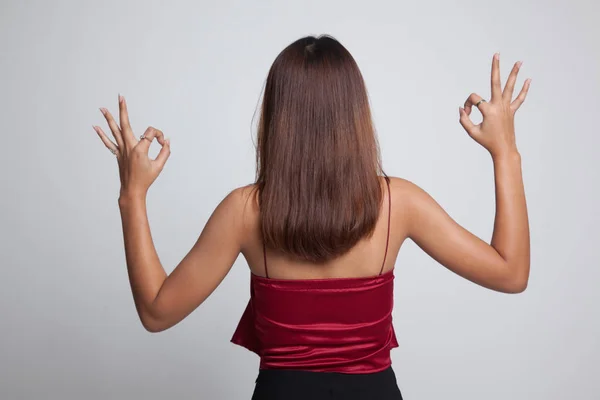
{"x":151,"y":323}
{"x":517,"y":284}
{"x":517,"y":287}
{"x":152,"y":327}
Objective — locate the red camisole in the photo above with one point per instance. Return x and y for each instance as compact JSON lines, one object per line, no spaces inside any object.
{"x":324,"y":325}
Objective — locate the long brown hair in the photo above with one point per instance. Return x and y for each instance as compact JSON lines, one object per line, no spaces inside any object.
{"x":318,"y":159}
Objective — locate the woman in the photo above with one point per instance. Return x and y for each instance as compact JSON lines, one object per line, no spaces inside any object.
{"x":321,"y":228}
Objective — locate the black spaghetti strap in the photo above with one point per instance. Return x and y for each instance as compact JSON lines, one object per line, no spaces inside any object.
{"x":265,"y":258}
{"x":387,"y":241}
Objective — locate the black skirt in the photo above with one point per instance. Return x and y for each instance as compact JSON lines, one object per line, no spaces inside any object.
{"x":276,"y":384}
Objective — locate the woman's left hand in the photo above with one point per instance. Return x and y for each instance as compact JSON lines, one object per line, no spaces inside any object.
{"x":136,"y":170}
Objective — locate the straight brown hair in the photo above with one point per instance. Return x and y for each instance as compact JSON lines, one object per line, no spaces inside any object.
{"x":317,"y":160}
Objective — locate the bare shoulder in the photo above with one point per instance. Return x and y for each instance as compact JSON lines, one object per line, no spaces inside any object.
{"x":408,"y":202}
{"x":401,"y":185}
{"x":243,"y":197}
{"x":404,"y":192}
{"x":241,"y":204}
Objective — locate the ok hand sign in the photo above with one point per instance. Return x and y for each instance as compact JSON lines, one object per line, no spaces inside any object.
{"x":136,"y":169}
{"x":496,"y":132}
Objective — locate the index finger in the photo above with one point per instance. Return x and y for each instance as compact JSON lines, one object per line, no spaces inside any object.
{"x":496,"y":85}
{"x":148,"y":136}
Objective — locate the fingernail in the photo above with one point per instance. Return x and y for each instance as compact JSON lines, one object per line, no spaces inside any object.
{"x":519,"y":64}
{"x":497,"y":56}
{"x":95,"y":128}
{"x":121,"y":98}
{"x":103,"y":110}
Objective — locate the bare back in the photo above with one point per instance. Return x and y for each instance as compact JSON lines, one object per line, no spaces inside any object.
{"x":367,"y":258}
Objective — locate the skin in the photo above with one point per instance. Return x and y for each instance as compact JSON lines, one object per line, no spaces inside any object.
{"x":164,"y":300}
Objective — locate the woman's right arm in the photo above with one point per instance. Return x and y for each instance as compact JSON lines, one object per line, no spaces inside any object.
{"x":502,"y":265}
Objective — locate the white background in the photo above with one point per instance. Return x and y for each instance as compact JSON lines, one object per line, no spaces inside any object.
{"x":195,"y":69}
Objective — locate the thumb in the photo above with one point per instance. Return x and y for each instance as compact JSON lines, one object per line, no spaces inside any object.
{"x":465,"y":121}
{"x":163,"y":155}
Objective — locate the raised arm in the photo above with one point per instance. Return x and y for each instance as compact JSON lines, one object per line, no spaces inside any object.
{"x":502,"y":265}
{"x":162,"y":301}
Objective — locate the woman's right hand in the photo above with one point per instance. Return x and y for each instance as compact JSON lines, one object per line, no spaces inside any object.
{"x":496,"y":132}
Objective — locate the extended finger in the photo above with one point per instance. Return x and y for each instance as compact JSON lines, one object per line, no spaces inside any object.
{"x":114,"y":128}
{"x":126,"y":130}
{"x":107,"y":142}
{"x":496,"y":85}
{"x":510,"y":83}
{"x":474,"y":100}
{"x":522,"y":95}
{"x":148,"y":136}
{"x":466,"y":123}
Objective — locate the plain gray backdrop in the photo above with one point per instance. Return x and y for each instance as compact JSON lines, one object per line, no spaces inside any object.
{"x":195,"y":69}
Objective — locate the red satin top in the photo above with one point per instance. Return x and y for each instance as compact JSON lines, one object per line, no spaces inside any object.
{"x":325,"y":325}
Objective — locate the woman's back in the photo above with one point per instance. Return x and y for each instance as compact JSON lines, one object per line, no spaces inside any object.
{"x":367,"y":258}
{"x":325,"y":324}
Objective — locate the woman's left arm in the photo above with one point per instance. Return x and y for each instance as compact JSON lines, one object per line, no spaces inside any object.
{"x":162,"y":301}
